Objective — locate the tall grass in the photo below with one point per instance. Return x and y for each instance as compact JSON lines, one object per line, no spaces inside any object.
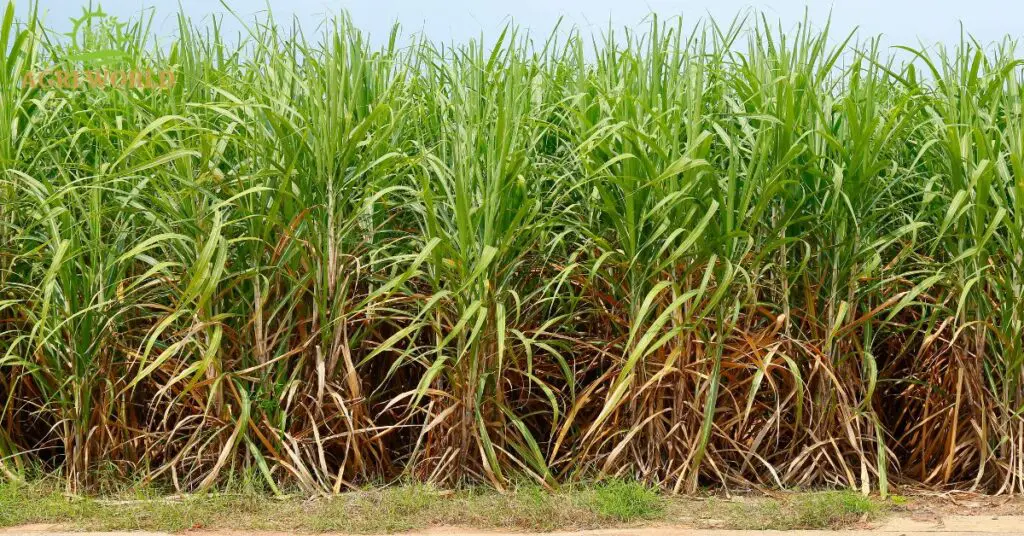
{"x":710,"y":255}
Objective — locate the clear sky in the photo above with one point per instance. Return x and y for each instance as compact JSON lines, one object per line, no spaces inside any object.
{"x":900,"y":21}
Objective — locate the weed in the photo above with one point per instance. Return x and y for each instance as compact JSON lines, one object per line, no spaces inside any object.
{"x":626,"y":501}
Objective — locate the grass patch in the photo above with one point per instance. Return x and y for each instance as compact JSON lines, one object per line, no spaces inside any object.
{"x":626,"y":501}
{"x":416,"y":507}
{"x":834,"y":509}
{"x":813,"y":510}
{"x":379,"y":510}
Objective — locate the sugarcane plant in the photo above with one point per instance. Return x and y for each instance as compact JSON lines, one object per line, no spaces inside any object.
{"x":694,"y":254}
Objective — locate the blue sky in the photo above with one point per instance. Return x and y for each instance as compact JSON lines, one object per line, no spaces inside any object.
{"x":900,"y":21}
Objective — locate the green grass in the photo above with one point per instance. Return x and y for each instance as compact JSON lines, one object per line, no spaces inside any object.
{"x":416,"y":507}
{"x":390,"y":509}
{"x":790,"y":511}
{"x":834,"y":509}
{"x":626,"y":501}
{"x":696,"y":254}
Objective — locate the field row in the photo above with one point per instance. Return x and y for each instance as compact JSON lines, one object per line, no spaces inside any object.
{"x":711,"y":255}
